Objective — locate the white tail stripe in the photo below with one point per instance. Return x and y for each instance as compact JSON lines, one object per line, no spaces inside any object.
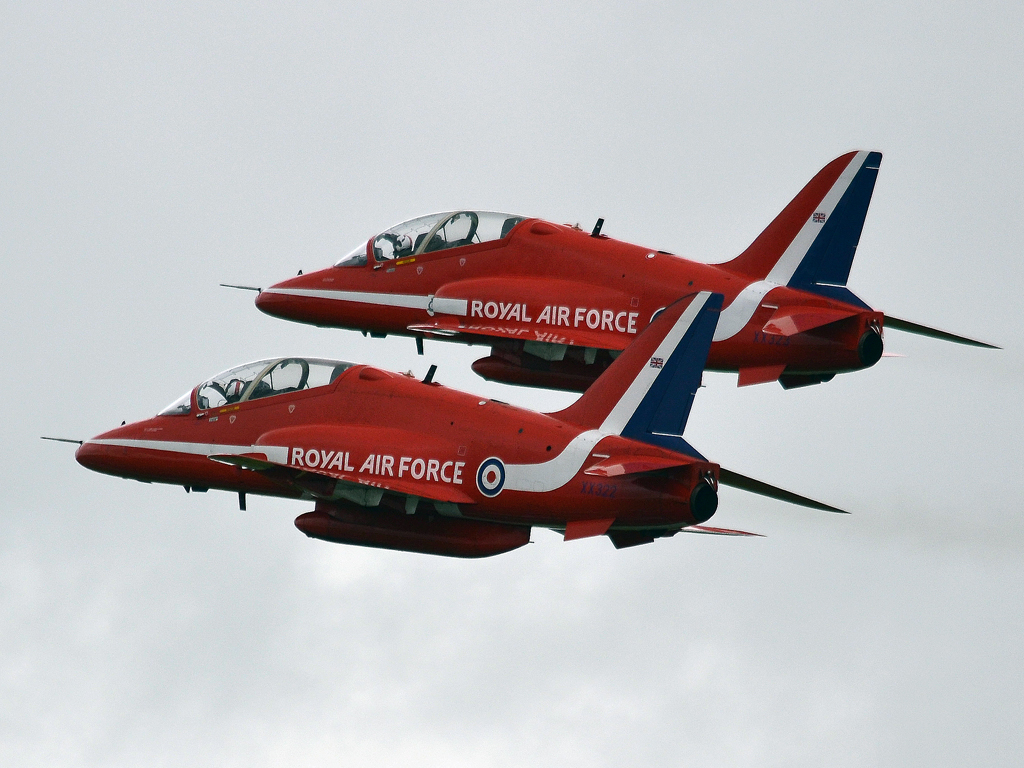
{"x":735,"y":317}
{"x":623,"y":411}
{"x":553,"y":474}
{"x":409,"y":301}
{"x":787,"y":265}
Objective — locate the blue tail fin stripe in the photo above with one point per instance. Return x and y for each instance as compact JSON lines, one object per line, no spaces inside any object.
{"x":828,"y":260}
{"x":659,"y":405}
{"x":804,"y":242}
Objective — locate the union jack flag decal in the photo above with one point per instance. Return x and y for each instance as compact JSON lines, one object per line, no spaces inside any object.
{"x":818,"y":218}
{"x":657,"y":362}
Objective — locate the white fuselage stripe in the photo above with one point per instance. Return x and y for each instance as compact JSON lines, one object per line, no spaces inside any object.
{"x":623,"y":410}
{"x":274,"y":453}
{"x":407,"y":300}
{"x":534,"y":478}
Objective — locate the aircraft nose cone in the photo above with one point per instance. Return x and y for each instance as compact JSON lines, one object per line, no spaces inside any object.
{"x":276,"y":304}
{"x":94,"y":457}
{"x":265,"y":300}
{"x":103,"y":454}
{"x":296,"y":300}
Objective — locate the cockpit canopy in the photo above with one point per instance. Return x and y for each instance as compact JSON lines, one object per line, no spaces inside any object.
{"x":436,"y":232}
{"x":264,"y":378}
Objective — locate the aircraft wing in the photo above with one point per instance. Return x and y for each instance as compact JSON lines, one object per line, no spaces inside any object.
{"x":347,"y":485}
{"x":573,"y":337}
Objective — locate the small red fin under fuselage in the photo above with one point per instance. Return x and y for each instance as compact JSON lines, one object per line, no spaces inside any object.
{"x":581,"y":529}
{"x":761,"y":375}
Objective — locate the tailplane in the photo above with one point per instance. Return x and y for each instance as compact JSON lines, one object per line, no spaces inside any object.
{"x":811,"y":244}
{"x":896,"y":324}
{"x":646,"y":394}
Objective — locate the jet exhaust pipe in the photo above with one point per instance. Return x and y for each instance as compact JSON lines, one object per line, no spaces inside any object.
{"x":703,"y":502}
{"x":870,"y":347}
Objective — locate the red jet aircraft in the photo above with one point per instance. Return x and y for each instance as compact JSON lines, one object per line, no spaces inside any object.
{"x":404,"y":464}
{"x":557,"y":304}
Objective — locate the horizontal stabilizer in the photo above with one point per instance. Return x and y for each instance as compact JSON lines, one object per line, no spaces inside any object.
{"x":923,"y":330}
{"x":633,"y":465}
{"x":789,"y":321}
{"x":736,"y":480}
{"x":709,"y":530}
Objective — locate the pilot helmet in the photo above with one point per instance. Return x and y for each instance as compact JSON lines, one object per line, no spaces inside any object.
{"x":234,"y":389}
{"x":404,"y":244}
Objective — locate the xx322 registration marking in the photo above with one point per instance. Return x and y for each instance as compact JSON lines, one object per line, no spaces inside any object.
{"x":607,"y":490}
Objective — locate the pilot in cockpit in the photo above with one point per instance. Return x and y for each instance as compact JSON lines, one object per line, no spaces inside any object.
{"x":433,"y":233}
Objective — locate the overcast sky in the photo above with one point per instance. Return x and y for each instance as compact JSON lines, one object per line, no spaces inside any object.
{"x":148,"y":154}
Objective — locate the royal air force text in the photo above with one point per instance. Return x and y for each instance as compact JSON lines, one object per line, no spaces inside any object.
{"x":380,"y":465}
{"x":569,"y":317}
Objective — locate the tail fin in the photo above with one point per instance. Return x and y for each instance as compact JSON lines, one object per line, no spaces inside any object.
{"x":647,"y":392}
{"x":811,"y":244}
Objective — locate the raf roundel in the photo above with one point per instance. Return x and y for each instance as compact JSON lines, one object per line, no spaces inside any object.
{"x":490,"y":478}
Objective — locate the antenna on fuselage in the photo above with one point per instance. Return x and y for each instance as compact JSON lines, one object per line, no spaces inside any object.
{"x":597,"y":228}
{"x":430,"y":374}
{"x":62,"y":440}
{"x":242,"y":287}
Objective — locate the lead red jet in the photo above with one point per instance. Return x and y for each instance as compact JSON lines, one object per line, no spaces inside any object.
{"x":398,"y":463}
{"x":557,"y":304}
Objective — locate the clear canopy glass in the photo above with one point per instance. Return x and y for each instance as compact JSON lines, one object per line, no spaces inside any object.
{"x":264,"y":378}
{"x":354,"y":258}
{"x":436,"y":232}
{"x":179,"y":407}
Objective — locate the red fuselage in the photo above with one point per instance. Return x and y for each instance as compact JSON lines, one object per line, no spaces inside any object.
{"x":389,"y":432}
{"x":546,"y":285}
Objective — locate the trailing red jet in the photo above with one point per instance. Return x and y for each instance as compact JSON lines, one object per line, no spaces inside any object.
{"x":398,"y":463}
{"x":557,"y":304}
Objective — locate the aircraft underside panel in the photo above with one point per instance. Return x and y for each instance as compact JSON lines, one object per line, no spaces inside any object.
{"x":426,"y":534}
